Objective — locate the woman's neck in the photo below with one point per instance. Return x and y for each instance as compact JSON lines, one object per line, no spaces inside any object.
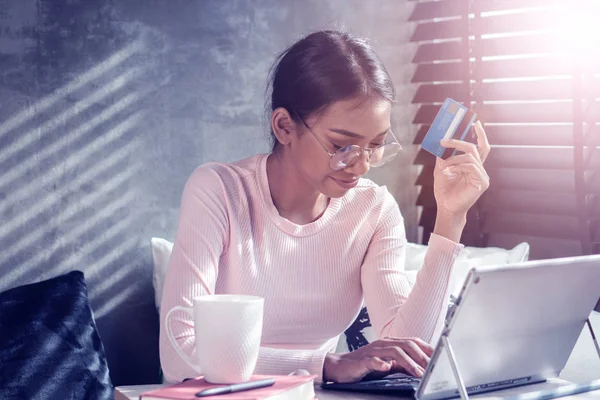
{"x":293,"y":197}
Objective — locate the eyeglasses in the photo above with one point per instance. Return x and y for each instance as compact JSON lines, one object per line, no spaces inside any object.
{"x":349,"y":155}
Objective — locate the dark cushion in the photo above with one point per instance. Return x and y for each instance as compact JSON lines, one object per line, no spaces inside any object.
{"x":49,"y":345}
{"x":355,"y":334}
{"x":358,"y":334}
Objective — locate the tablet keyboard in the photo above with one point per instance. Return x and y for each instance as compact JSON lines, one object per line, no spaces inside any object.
{"x":396,"y":383}
{"x":392,"y":382}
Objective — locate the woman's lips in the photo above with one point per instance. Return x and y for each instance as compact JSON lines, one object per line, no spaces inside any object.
{"x":346,"y":184}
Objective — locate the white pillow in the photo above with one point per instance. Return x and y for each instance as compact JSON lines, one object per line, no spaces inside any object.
{"x":470,"y":257}
{"x":161,"y":252}
{"x":415,"y":254}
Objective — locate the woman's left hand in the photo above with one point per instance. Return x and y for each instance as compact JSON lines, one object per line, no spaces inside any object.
{"x":461,"y":179}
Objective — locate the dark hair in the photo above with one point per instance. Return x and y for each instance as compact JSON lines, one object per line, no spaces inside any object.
{"x":323,"y":68}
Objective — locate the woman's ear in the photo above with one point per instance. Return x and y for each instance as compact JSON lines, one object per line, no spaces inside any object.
{"x":282,"y":125}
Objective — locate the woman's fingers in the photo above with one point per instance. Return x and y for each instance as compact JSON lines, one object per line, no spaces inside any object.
{"x":478,"y":177}
{"x":424,"y":346}
{"x":407,"y":354}
{"x":401,"y":359}
{"x":462,"y":159}
{"x":417,"y":351}
{"x":378,"y":364}
{"x":459,"y":159}
{"x":461,"y":145}
{"x":482,"y":141}
{"x":479,"y":151}
{"x":380,"y":358}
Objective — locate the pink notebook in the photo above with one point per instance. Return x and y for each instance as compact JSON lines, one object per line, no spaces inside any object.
{"x":295,"y":387}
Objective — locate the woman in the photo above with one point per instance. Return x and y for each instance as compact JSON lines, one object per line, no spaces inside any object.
{"x":300,"y":227}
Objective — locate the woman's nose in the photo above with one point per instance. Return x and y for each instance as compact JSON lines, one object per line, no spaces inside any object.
{"x":361,"y":166}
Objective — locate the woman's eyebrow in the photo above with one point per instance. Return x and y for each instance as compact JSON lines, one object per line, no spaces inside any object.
{"x":356,"y":135}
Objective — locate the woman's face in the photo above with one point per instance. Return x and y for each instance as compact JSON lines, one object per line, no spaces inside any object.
{"x":349,"y":122}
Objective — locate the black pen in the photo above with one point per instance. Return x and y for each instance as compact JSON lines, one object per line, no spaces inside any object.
{"x":236,"y":387}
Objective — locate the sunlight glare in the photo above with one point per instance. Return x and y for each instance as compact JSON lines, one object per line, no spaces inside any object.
{"x":577,"y":29}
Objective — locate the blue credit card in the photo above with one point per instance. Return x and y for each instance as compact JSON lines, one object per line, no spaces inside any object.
{"x":453,"y":121}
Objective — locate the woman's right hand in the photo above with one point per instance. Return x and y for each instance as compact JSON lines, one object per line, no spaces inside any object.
{"x":385,"y":356}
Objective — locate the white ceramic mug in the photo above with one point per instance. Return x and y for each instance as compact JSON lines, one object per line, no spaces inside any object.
{"x":228,"y":331}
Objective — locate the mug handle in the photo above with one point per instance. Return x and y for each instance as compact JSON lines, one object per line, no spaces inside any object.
{"x":180,"y":352}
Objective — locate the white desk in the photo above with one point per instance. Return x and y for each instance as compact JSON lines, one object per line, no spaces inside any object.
{"x":583,"y":366}
{"x":133,"y":393}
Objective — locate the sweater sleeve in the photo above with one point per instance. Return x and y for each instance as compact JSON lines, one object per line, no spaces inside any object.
{"x":395,"y":309}
{"x":285,"y":361}
{"x":202,"y":237}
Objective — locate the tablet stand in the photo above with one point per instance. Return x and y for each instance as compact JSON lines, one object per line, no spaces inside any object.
{"x":589,"y":324}
{"x":462,"y":390}
{"x":459,"y":382}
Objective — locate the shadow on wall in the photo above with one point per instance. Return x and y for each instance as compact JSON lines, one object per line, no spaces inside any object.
{"x":68,"y":192}
{"x":46,"y":165}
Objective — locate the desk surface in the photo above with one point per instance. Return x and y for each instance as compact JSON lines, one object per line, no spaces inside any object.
{"x":133,"y":392}
{"x":582,"y":367}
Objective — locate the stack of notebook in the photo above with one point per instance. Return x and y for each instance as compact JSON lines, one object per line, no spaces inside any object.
{"x":295,"y":387}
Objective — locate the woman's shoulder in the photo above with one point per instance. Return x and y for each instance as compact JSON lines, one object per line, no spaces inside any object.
{"x":375,"y":201}
{"x":372,"y":197}
{"x":225,"y":174}
{"x":366,"y":189}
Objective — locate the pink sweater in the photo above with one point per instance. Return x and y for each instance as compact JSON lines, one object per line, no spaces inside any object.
{"x":314,"y":277}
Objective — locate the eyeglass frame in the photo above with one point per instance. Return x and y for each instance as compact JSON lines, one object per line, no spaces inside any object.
{"x":363,"y":150}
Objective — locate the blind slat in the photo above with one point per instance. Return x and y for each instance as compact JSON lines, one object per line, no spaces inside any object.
{"x":427,"y":220}
{"x":529,"y":135}
{"x":505,"y":5}
{"x":530,"y":202}
{"x":424,"y":158}
{"x":438,"y":30}
{"x":554,"y":89}
{"x":421,"y":134}
{"x":539,"y":247}
{"x":547,"y":66}
{"x":427,"y":52}
{"x":426,"y":198}
{"x":427,"y":10}
{"x":548,"y":181}
{"x":551,"y":226}
{"x":529,"y":21}
{"x":453,"y":71}
{"x":438,"y":93}
{"x":535,"y":20}
{"x":540,"y":43}
{"x":425,"y":177}
{"x":534,"y":158}
{"x":526,"y":113}
{"x":436,"y":9}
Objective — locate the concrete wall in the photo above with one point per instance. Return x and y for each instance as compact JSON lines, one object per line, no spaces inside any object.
{"x":106,"y":107}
